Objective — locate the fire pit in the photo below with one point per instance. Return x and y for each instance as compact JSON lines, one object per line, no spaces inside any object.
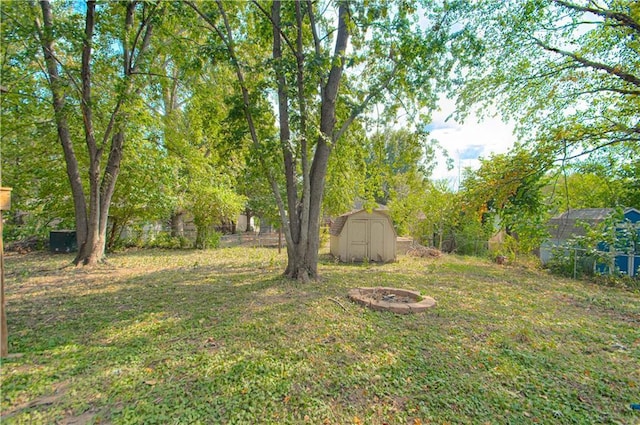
{"x":401,"y":301}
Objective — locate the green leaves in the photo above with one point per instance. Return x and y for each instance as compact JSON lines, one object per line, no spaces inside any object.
{"x":508,"y":186}
{"x":564,"y":72}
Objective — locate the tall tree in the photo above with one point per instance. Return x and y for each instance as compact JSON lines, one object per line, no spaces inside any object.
{"x":35,"y":172}
{"x":566,"y":72}
{"x":509,"y":187}
{"x":441,"y":208}
{"x":399,"y":161}
{"x":330,"y":64}
{"x":596,"y":185}
{"x":110,"y":30}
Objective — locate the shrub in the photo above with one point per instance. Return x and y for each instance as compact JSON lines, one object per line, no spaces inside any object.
{"x":208,"y":239}
{"x":472,"y":239}
{"x":166,"y":241}
{"x":571,"y":262}
{"x":618,"y":281}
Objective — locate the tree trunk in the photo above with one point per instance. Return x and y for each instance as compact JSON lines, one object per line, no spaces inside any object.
{"x":303,"y":254}
{"x":91,"y":219}
{"x":300,"y":217}
{"x":64,"y":133}
{"x":4,"y":330}
{"x":114,"y":233}
{"x":248,"y":214}
{"x":177,"y":224}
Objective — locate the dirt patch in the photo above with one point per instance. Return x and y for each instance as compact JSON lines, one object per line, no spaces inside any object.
{"x":85,"y":418}
{"x":60,"y":389}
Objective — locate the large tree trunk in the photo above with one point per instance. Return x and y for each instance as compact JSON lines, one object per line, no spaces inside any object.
{"x":91,"y":219}
{"x":64,"y":133}
{"x":303,"y":252}
{"x":299,"y":216}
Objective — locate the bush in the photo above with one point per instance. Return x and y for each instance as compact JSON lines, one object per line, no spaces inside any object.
{"x":571,"y":262}
{"x":472,"y":239}
{"x":28,"y":244}
{"x":618,"y":281}
{"x":208,"y":239}
{"x":166,"y":241}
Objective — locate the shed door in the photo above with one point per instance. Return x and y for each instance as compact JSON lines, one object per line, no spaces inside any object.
{"x":358,"y":240}
{"x":376,"y":240}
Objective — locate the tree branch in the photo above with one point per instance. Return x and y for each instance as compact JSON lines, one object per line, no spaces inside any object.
{"x":276,"y":26}
{"x":145,"y":25}
{"x":306,"y":190}
{"x":316,"y":39}
{"x":360,"y":108}
{"x":596,"y":148}
{"x":283,"y":117}
{"x":627,"y":20}
{"x":616,"y":71}
{"x":85,"y":72}
{"x":603,"y":89}
{"x":49,"y":54}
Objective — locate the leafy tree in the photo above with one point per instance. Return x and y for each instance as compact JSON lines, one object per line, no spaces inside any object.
{"x":189,"y":101}
{"x":326,"y":71}
{"x":144,"y":189}
{"x":584,"y":190}
{"x":211,"y":203}
{"x":398,"y":164}
{"x":599,"y":182}
{"x":347,"y":178}
{"x":207,"y":154}
{"x":441,"y":209}
{"x":566,"y":72}
{"x":89,"y":77}
{"x":29,"y":166}
{"x":509,"y":187}
{"x":255,"y":188}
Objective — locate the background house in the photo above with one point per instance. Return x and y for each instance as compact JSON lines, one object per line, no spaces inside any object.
{"x":571,"y":224}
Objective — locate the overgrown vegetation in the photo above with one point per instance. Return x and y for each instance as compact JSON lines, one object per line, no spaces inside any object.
{"x":219,"y":336}
{"x":595,"y":254}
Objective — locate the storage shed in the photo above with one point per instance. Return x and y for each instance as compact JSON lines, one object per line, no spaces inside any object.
{"x":361,"y":235}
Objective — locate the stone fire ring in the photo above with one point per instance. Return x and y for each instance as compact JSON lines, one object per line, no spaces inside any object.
{"x":371,"y":297}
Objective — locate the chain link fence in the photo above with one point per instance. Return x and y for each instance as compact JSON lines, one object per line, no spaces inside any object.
{"x":578,"y":262}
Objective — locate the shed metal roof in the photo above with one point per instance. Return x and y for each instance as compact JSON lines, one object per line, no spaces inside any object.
{"x":591,"y":214}
{"x":569,"y":224}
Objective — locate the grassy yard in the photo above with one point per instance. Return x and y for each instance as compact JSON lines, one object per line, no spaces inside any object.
{"x":161,"y":337}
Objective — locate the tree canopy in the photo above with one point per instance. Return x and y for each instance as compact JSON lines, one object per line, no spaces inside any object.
{"x":115,"y":111}
{"x":327,"y":66}
{"x":566,"y":72}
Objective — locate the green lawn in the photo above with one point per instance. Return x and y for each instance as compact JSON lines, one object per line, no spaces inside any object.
{"x":219,"y":337}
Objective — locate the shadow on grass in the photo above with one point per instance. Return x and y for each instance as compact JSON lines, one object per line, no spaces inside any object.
{"x":229,"y":340}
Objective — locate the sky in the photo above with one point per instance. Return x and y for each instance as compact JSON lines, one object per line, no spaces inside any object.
{"x":466,"y":142}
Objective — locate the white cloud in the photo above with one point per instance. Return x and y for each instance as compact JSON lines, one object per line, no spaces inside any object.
{"x":466,"y":142}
